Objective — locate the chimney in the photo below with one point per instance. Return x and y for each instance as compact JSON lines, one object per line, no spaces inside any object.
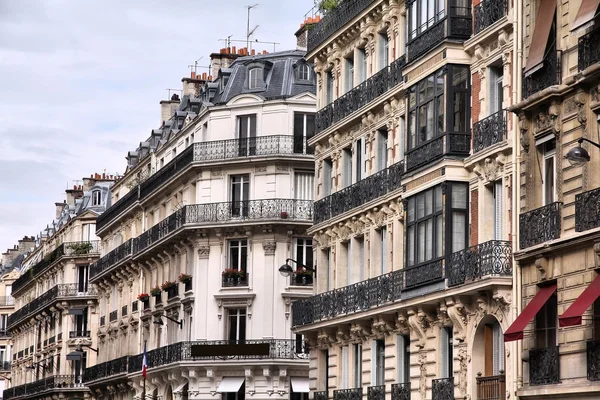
{"x":168,"y":107}
{"x":26,"y":244}
{"x":302,"y":33}
{"x":222,"y":59}
{"x":73,"y":194}
{"x":193,"y":86}
{"x":59,"y":208}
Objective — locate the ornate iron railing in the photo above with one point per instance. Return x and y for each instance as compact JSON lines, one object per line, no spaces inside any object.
{"x":360,"y":193}
{"x":321,"y":395}
{"x":106,"y":369}
{"x":233,"y":281}
{"x":587,"y":210}
{"x":491,"y":387}
{"x":588,"y":53}
{"x":593,"y":360}
{"x":112,"y":317}
{"x":539,"y":225}
{"x":110,"y":260}
{"x":301,"y":280}
{"x":548,"y":75}
{"x":456,"y":25}
{"x":85,"y":248}
{"x":37,"y":269}
{"x":79,"y":334}
{"x":348,"y":394}
{"x":544,"y":366}
{"x":423,"y":274}
{"x":451,"y":143}
{"x":4,"y":333}
{"x":361,"y":95}
{"x":334,"y":20}
{"x":7,"y":301}
{"x":487,"y":12}
{"x":490,"y":258}
{"x":5,"y":365}
{"x":442,"y":389}
{"x":401,"y":391}
{"x":490,"y":130}
{"x":260,"y":146}
{"x":375,"y":393}
{"x":42,"y":385}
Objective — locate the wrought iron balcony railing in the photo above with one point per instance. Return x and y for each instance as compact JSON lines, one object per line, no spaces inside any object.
{"x":487,"y":12}
{"x":489,"y":131}
{"x":550,"y":74}
{"x":57,"y":382}
{"x":110,"y":260}
{"x":7,"y":301}
{"x":458,"y":144}
{"x":593,"y":360}
{"x":85,"y":248}
{"x":79,"y":334}
{"x":4,"y":333}
{"x":233,"y":281}
{"x":442,"y":389}
{"x":361,"y":95}
{"x":544,"y":366}
{"x":588,"y":49}
{"x":266,"y":209}
{"x":539,"y":225}
{"x":456,"y":25}
{"x":112,"y":317}
{"x":360,"y":193}
{"x":489,"y":258}
{"x":106,"y":369}
{"x":321,"y":395}
{"x":301,"y":280}
{"x":375,"y":393}
{"x":401,"y":391}
{"x":587,"y":210}
{"x":334,"y":20}
{"x":259,"y":146}
{"x":491,"y":387}
{"x":348,"y":394}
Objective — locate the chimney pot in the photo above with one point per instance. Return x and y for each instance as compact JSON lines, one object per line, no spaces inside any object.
{"x":233,"y":50}
{"x":210,"y":78}
{"x":193,"y":75}
{"x":229,"y":50}
{"x":204,"y":75}
{"x":253,"y":52}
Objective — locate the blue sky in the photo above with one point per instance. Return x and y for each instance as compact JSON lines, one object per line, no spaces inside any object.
{"x":81,"y":81}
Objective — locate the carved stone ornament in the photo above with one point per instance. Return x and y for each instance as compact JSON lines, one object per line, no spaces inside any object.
{"x":359,"y":333}
{"x":269,"y":247}
{"x":380,"y":327}
{"x":402,"y":325}
{"x":463,"y":359}
{"x":423,"y":374}
{"x":458,"y":315}
{"x":524,"y":127}
{"x":541,"y":263}
{"x":419,"y":321}
{"x":324,"y":340}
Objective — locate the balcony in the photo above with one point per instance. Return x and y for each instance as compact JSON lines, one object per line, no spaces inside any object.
{"x":593,"y":360}
{"x":322,"y":395}
{"x":375,"y":393}
{"x":235,"y":281}
{"x":489,"y":258}
{"x":79,"y":334}
{"x":587,"y":210}
{"x":238,"y":212}
{"x":458,"y":144}
{"x":106,"y":369}
{"x":4,"y":333}
{"x":305,"y":279}
{"x":548,"y":75}
{"x":539,"y":225}
{"x":544,"y":366}
{"x":220,"y":150}
{"x":456,"y":25}
{"x":401,"y":391}
{"x":489,"y":131}
{"x":112,"y":317}
{"x":58,"y":382}
{"x":442,"y":389}
{"x":110,"y":260}
{"x":7,"y":301}
{"x":5,"y":365}
{"x":348,"y":394}
{"x":187,"y":285}
{"x":360,"y":193}
{"x":487,"y":12}
{"x":361,"y":95}
{"x":491,"y":387}
{"x":588,"y":53}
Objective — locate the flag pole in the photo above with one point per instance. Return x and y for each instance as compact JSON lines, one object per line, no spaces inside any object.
{"x":144,"y":391}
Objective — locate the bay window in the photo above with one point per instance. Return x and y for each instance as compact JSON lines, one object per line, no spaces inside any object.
{"x":423,"y":14}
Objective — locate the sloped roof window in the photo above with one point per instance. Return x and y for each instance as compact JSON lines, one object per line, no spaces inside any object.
{"x":254,"y":78}
{"x":304,"y":72}
{"x":96,"y":198}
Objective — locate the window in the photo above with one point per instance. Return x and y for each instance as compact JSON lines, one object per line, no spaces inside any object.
{"x":347,"y":250}
{"x":382,"y":149}
{"x":548,"y":148}
{"x":545,"y":324}
{"x":498,"y":210}
{"x":83,"y":278}
{"x":347,"y":167}
{"x":403,"y":362}
{"x":304,"y":72}
{"x":81,"y":323}
{"x":301,"y":348}
{"x":304,"y":129}
{"x":460,"y":99}
{"x":324,"y":369}
{"x":384,"y":50}
{"x":327,"y":178}
{"x":458,"y":204}
{"x":327,"y":268}
{"x":383,"y":249}
{"x":426,"y":110}
{"x":378,"y":357}
{"x":423,"y":14}
{"x":173,"y":154}
{"x":304,"y":252}
{"x":96,"y":198}
{"x":240,"y":193}
{"x":447,"y":356}
{"x":496,"y":92}
{"x":362,"y":65}
{"x":402,"y":138}
{"x":304,"y":183}
{"x":329,"y":91}
{"x":349,"y":74}
{"x":345,"y":368}
{"x":3,"y":322}
{"x":357,"y":361}
{"x":79,"y":367}
{"x":246,"y":131}
{"x":361,"y":159}
{"x":494,"y":349}
{"x":162,"y":162}
{"x":3,"y":354}
{"x":89,"y":232}
{"x":360,"y":245}
{"x":238,"y":254}
{"x":236,"y":324}
{"x":254,"y":79}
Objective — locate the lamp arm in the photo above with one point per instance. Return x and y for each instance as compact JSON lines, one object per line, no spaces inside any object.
{"x":180,"y":323}
{"x":581,"y":140}
{"x":301,"y":265}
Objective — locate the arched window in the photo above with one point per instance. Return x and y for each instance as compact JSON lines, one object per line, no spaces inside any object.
{"x":96,"y":198}
{"x":254,"y":79}
{"x":304,"y":72}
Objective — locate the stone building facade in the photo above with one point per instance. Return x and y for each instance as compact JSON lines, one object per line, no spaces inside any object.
{"x":211,"y":204}
{"x":414,"y":182}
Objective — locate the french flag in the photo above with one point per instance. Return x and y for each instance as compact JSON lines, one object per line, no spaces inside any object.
{"x":144,"y":363}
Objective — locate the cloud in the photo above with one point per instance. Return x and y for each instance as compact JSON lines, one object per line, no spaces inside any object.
{"x":81,"y":83}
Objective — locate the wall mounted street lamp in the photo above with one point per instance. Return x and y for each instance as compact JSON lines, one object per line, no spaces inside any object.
{"x":158,"y":321}
{"x":578,"y":156}
{"x":287,"y":270}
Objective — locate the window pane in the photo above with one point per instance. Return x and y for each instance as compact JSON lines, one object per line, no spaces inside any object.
{"x":422,"y":123}
{"x":421,"y":242}
{"x":458,"y":231}
{"x":428,"y":202}
{"x":412,"y":129}
{"x":459,"y":196}
{"x":411,"y":209}
{"x":438,"y":198}
{"x":429,"y":240}
{"x":549,"y":179}
{"x":460,"y":111}
{"x":440,"y":116}
{"x":430,"y":120}
{"x":412,"y":97}
{"x":438,"y":234}
{"x":420,"y":206}
{"x":431,"y":12}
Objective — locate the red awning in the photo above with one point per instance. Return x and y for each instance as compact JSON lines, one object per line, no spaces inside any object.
{"x":515,"y":331}
{"x":573,"y":314}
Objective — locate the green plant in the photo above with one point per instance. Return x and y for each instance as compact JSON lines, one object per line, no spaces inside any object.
{"x":155,"y":291}
{"x":168,"y":285}
{"x":80,"y":248}
{"x":326,"y":6}
{"x":183,"y":278}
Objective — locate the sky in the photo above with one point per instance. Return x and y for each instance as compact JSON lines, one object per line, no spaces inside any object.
{"x":81,"y":82}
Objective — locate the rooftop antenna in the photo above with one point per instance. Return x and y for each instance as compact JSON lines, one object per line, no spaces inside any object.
{"x":195,"y":65}
{"x":174,"y":90}
{"x":248,"y":32}
{"x":256,"y":41}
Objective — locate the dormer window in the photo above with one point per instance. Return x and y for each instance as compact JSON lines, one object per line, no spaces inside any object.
{"x":254,"y":79}
{"x":96,"y":198}
{"x":304,"y":72}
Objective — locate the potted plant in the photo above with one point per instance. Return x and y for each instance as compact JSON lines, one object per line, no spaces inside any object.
{"x":155,"y":291}
{"x":168,"y":286}
{"x":303,"y":276}
{"x":80,"y":248}
{"x":284,"y":215}
{"x":232,"y":275}
{"x":186,"y":280}
{"x":143,"y":297}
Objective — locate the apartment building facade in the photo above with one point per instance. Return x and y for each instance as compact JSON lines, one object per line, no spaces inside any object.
{"x":556,"y":329}
{"x":413,"y":223}
{"x":55,"y":307}
{"x":210,"y":206}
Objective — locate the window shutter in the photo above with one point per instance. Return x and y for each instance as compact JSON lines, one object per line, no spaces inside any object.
{"x":493,"y":96}
{"x":383,"y":249}
{"x":444,"y":353}
{"x":498,"y":349}
{"x":304,"y":186}
{"x":373,"y":362}
{"x":498,"y":210}
{"x":349,"y":262}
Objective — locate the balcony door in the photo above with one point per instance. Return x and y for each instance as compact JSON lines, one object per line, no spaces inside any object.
{"x":304,"y":129}
{"x":240,"y":193}
{"x":236,"y":329}
{"x":496,"y":93}
{"x":247,"y":135}
{"x":79,"y":367}
{"x":494,"y":349}
{"x":83,"y":278}
{"x":81,"y":323}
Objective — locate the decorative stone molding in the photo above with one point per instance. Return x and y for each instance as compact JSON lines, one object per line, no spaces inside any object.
{"x":359,"y":333}
{"x":269,"y":247}
{"x":233,"y":301}
{"x":419,"y":321}
{"x":324,"y":340}
{"x":541,"y":263}
{"x":380,"y":327}
{"x":490,"y":169}
{"x":524,"y":128}
{"x":463,"y":359}
{"x":458,"y":315}
{"x":423,"y":375}
{"x":402,"y":326}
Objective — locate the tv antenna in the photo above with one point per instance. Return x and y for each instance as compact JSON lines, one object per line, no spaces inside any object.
{"x":194,"y":67}
{"x":248,"y":31}
{"x":228,"y":41}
